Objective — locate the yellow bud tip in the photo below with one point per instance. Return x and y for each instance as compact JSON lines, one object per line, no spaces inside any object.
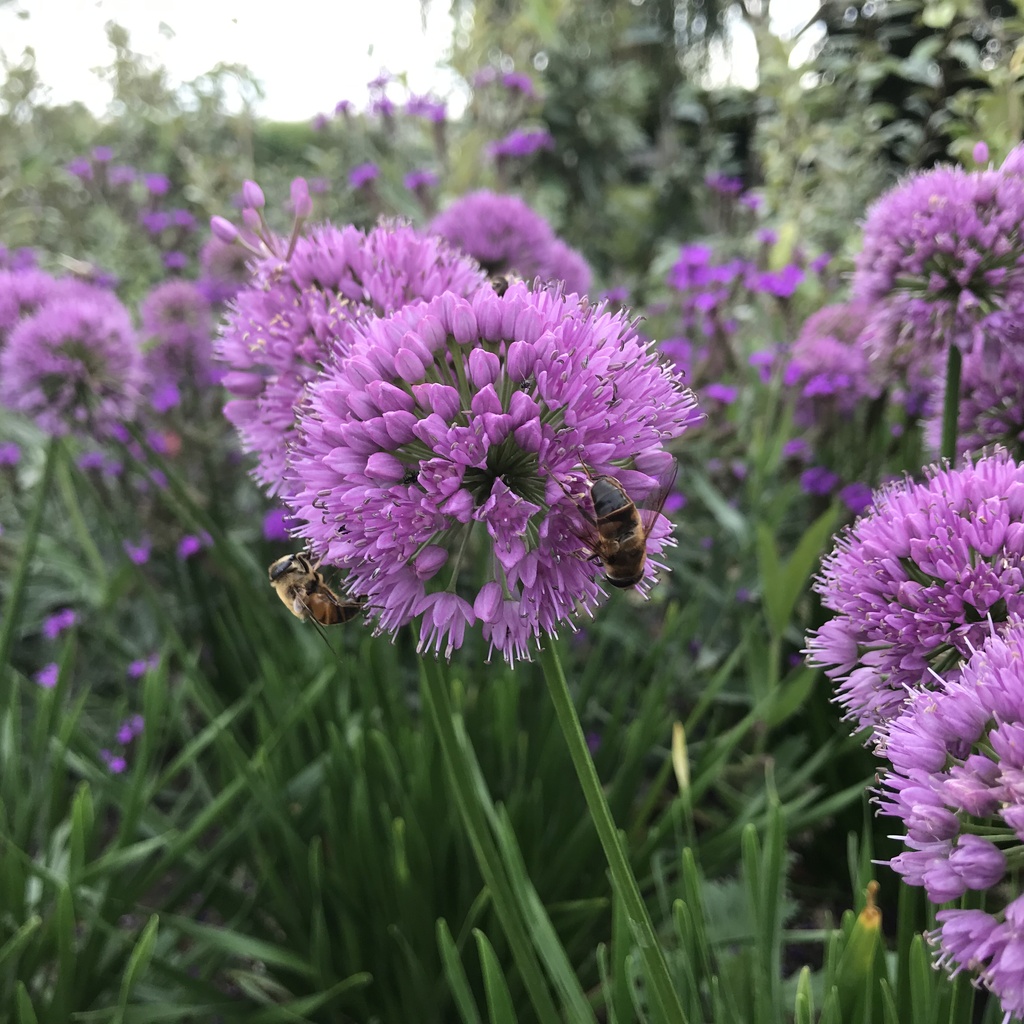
{"x":680,"y":760}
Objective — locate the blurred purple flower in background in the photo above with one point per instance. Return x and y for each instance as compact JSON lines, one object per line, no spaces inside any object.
{"x":48,"y":676}
{"x":177,"y":321}
{"x":521,"y":142}
{"x":57,"y":623}
{"x":75,"y":365}
{"x":363,"y":174}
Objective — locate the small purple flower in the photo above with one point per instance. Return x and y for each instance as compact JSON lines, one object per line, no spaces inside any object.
{"x":47,"y":676}
{"x":797,"y":448}
{"x":320,"y":123}
{"x":420,"y":179}
{"x":138,"y":668}
{"x":482,"y":416}
{"x":724,"y":184}
{"x":980,"y":153}
{"x":175,"y":260}
{"x":428,"y":107}
{"x":10,"y":454}
{"x":781,"y":283}
{"x":74,"y":365}
{"x":916,"y":581}
{"x":102,"y":154}
{"x":818,"y":480}
{"x":155,"y":221}
{"x":57,"y":623}
{"x":115,"y":763}
{"x":343,"y":108}
{"x":190,"y":545}
{"x":363,"y":174}
{"x":81,"y":168}
{"x":724,"y":393}
{"x":129,"y":729}
{"x":164,"y":396}
{"x":121,"y":175}
{"x":521,"y":142}
{"x":856,"y":497}
{"x":157,"y":184}
{"x":138,"y":553}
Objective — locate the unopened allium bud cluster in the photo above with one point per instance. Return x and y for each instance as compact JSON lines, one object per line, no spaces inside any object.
{"x":430,"y":433}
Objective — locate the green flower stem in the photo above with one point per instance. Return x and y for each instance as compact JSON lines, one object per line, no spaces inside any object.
{"x":662,"y":993}
{"x":951,"y":405}
{"x":12,"y":606}
{"x":460,"y":768}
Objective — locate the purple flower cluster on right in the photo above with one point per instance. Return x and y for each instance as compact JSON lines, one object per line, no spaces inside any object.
{"x":927,"y":651}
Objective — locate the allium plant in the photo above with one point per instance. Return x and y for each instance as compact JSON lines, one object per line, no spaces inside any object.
{"x":505,"y":236}
{"x":944,"y":251}
{"x":919,"y":582}
{"x":830,"y":371}
{"x":302,"y":310}
{"x":75,"y":365}
{"x":991,"y":406}
{"x":440,"y":463}
{"x":23,"y":292}
{"x":956,"y":783}
{"x":176,"y":320}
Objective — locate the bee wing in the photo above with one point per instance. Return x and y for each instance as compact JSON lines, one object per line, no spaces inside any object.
{"x":650,"y":508}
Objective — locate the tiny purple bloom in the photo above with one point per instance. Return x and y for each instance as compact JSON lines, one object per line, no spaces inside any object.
{"x":58,"y":623}
{"x":10,"y":454}
{"x":363,"y":174}
{"x":724,"y":393}
{"x":138,"y":553}
{"x":47,"y":676}
{"x":157,"y":184}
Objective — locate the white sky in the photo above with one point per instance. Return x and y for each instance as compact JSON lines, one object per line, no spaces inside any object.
{"x":309,"y":54}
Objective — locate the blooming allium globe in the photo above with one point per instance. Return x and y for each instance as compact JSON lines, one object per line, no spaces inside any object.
{"x":991,"y":406}
{"x":831,"y":372}
{"x":915,"y":582}
{"x":75,"y":365}
{"x":505,"y":236}
{"x":225,"y":267}
{"x":957,"y":784}
{"x":176,"y":319}
{"x":944,"y":249}
{"x":302,"y":312}
{"x":23,"y":292}
{"x":442,"y":463}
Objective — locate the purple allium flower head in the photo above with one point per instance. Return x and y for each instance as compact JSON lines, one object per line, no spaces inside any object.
{"x":177,"y":321}
{"x":991,"y":408}
{"x":449,"y":441}
{"x":57,"y":623}
{"x":24,"y":292}
{"x":944,"y":251}
{"x":73,"y":365}
{"x":421,"y":178}
{"x":505,"y":236}
{"x":363,"y":174}
{"x":47,"y":676}
{"x":521,"y":142}
{"x":304,"y":312}
{"x":827,"y":366}
{"x":957,"y":784}
{"x":915,"y":581}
